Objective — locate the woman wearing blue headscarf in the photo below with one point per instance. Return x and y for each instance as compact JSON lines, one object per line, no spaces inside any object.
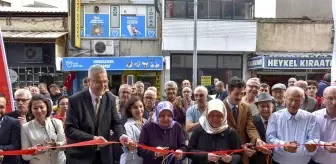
{"x":163,"y":133}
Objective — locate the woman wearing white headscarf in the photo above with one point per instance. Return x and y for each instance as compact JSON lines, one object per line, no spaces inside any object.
{"x":214,"y":134}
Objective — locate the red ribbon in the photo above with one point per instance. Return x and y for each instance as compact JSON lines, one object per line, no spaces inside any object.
{"x":153,"y":149}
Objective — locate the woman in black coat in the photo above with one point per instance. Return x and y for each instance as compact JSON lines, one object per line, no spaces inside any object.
{"x":214,"y":134}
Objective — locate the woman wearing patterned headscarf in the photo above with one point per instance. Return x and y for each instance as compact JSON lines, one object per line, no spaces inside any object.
{"x":214,"y":134}
{"x":163,"y":133}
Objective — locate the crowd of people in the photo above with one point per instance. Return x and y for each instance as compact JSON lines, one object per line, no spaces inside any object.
{"x":300,"y":119}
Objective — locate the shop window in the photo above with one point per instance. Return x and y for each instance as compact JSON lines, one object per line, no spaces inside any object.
{"x":232,"y":62}
{"x":177,"y":61}
{"x":206,"y":61}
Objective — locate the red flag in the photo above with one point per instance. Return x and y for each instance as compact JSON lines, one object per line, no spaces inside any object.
{"x":5,"y":83}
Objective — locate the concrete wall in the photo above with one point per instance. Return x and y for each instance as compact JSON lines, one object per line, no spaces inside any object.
{"x":139,"y":48}
{"x":315,"y":9}
{"x":33,"y":24}
{"x":294,"y":36}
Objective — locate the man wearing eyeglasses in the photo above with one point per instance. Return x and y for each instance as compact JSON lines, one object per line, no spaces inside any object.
{"x":22,"y":98}
{"x":252,"y":89}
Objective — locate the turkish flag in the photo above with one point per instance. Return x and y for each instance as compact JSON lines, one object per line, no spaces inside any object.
{"x":5,"y":83}
{"x":69,"y":79}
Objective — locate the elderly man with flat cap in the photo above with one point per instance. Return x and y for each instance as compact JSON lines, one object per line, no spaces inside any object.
{"x":265,"y":103}
{"x":278,"y":92}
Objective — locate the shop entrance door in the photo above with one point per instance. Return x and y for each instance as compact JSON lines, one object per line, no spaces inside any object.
{"x":273,"y":79}
{"x":147,"y":80}
{"x":114,"y":83}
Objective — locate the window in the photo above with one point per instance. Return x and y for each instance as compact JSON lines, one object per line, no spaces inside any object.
{"x":243,"y":10}
{"x":176,"y":8}
{"x":227,"y":8}
{"x":190,"y":9}
{"x":82,"y":16}
{"x":221,"y":66}
{"x":210,"y":9}
{"x":231,"y":62}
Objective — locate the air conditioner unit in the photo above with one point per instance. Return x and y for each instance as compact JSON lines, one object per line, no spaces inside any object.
{"x":32,"y":54}
{"x":103,"y":47}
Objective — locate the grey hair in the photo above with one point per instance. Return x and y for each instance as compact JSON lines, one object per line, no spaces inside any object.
{"x":124,"y":86}
{"x":152,"y":88}
{"x":296,"y":89}
{"x":302,"y":84}
{"x":35,"y":88}
{"x":202,"y":89}
{"x":219,"y":82}
{"x":25,"y":92}
{"x":150,"y":91}
{"x":95,"y":69}
{"x":171,"y":84}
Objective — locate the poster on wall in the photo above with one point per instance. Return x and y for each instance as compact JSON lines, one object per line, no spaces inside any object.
{"x":97,"y":25}
{"x":133,"y":26}
{"x":125,"y":21}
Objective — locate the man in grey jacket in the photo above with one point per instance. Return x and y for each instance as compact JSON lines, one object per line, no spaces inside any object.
{"x":309,"y":103}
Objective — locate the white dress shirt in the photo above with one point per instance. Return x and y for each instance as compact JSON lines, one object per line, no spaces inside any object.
{"x":33,"y":133}
{"x":328,"y":134}
{"x":283,"y":127}
{"x":93,"y":98}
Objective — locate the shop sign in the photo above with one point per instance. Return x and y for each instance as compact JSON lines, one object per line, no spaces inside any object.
{"x":13,"y":76}
{"x":256,"y":62}
{"x":298,"y":63}
{"x":267,"y":62}
{"x":113,"y":63}
{"x":206,"y":80}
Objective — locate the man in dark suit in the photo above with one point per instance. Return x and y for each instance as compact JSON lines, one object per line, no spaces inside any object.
{"x":266,"y":104}
{"x":91,"y":115}
{"x":221,"y":91}
{"x":10,"y":134}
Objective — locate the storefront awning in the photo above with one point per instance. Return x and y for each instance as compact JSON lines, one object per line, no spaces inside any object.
{"x":154,"y":63}
{"x":32,"y":35}
{"x":289,"y":60}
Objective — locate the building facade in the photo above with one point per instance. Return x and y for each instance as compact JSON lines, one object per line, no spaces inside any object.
{"x":292,"y":48}
{"x":35,"y":40}
{"x":309,"y":9}
{"x":226,"y":34}
{"x":123,"y":36}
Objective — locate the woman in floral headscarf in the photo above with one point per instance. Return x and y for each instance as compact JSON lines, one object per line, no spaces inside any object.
{"x":163,"y":133}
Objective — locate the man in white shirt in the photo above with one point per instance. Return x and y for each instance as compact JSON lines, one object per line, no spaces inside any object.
{"x":326,"y":119}
{"x":294,"y":127}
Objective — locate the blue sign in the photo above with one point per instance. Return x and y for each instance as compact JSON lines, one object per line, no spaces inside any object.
{"x":113,"y":63}
{"x":97,"y":25}
{"x":267,"y":62}
{"x":254,"y":63}
{"x":115,"y":33}
{"x":133,"y":26}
